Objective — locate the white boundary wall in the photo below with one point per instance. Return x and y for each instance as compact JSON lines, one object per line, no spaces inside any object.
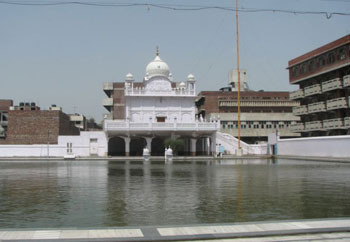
{"x":325,"y":146}
{"x":81,"y":146}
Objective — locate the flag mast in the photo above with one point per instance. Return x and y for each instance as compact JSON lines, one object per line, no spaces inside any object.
{"x":239,"y":84}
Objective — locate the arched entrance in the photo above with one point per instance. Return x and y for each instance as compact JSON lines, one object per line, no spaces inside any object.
{"x":116,"y":146}
{"x":200,"y":146}
{"x":157,"y":147}
{"x":136,"y":146}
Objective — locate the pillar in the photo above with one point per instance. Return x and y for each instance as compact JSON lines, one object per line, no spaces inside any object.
{"x":149,"y":143}
{"x":213,"y":144}
{"x":207,"y":144}
{"x":127,"y":145}
{"x":193,"y":146}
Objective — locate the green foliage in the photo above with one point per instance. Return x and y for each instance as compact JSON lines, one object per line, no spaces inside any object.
{"x":175,"y":144}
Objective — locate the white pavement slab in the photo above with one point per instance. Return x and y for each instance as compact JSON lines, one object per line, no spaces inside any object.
{"x":279,"y":230}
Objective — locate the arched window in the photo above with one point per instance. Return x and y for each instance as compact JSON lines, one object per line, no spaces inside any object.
{"x":341,"y":54}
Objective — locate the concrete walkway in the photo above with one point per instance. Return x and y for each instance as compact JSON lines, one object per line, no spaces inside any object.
{"x":297,"y":230}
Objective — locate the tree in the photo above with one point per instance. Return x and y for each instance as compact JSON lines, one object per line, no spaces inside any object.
{"x":175,"y":144}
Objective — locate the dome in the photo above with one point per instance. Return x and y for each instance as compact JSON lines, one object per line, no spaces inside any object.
{"x":190,"y":77}
{"x":129,"y":77}
{"x":157,"y":67}
{"x":182,"y":85}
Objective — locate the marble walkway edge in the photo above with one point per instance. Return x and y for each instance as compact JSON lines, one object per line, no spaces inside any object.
{"x":194,"y":232}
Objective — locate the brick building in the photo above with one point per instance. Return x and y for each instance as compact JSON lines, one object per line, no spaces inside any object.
{"x":4,"y":108}
{"x":27,"y":124}
{"x":261,"y":112}
{"x":323,"y":77}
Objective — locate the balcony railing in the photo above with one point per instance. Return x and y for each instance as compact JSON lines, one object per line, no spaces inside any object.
{"x":337,"y":103}
{"x":332,"y":85}
{"x":312,"y":90}
{"x":333,"y":123}
{"x":296,"y":94}
{"x":108,"y":102}
{"x":347,"y":122}
{"x":317,"y":107}
{"x":314,"y":125}
{"x":129,"y":91}
{"x":108,"y":86}
{"x":112,"y":125}
{"x":299,"y":127}
{"x":346,"y":81}
{"x":300,"y":110}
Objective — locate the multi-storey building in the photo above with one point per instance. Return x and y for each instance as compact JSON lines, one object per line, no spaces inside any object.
{"x":4,"y":108}
{"x":27,"y":124}
{"x":79,"y":121}
{"x":323,"y":77}
{"x":146,"y":113}
{"x":262,"y":113}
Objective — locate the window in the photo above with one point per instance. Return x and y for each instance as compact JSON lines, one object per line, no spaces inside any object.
{"x":93,"y":140}
{"x":331,"y":58}
{"x":321,"y":61}
{"x":161,"y":119}
{"x":341,"y":54}
{"x":69,"y":148}
{"x":311,"y":65}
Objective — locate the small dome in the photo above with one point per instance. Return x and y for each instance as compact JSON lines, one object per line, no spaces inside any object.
{"x":157,"y":67}
{"x":190,"y":77}
{"x":129,"y":77}
{"x":182,"y":85}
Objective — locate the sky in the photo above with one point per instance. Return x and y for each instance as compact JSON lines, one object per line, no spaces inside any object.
{"x":63,"y":54}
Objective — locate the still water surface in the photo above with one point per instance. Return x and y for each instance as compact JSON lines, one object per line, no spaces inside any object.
{"x":109,"y":193}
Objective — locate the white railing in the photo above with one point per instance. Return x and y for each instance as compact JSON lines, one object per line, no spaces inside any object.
{"x":314,"y":125}
{"x":331,"y":85}
{"x":151,"y":92}
{"x":296,"y":94}
{"x":108,"y":102}
{"x":312,"y":90}
{"x":316,"y":107}
{"x":347,"y":122}
{"x":297,"y":127}
{"x":108,"y":86}
{"x":333,"y":123}
{"x":346,"y":81}
{"x":112,"y":125}
{"x":300,"y":110}
{"x":336,"y":103}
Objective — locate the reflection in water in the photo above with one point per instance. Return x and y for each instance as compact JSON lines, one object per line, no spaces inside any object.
{"x":96,"y":194}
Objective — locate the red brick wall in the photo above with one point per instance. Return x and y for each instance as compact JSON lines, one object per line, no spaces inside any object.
{"x":38,"y":126}
{"x":5,"y":104}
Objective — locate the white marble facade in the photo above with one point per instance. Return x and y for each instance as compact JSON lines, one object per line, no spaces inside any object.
{"x":160,"y":107}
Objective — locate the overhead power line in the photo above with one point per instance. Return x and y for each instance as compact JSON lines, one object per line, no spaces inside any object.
{"x":174,"y":7}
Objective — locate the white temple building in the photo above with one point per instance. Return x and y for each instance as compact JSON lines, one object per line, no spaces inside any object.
{"x":144,"y":114}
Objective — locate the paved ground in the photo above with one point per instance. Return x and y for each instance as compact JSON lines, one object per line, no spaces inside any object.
{"x":299,"y":230}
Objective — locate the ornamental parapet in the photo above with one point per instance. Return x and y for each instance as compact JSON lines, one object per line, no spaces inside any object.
{"x":113,"y":125}
{"x":141,"y":91}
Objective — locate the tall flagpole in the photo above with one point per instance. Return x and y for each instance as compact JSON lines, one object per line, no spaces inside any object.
{"x":239,"y":82}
